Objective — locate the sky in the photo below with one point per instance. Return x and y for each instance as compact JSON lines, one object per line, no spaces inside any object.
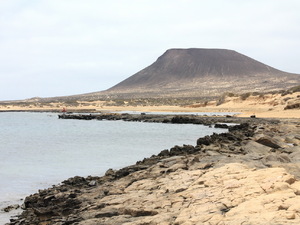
{"x":54,"y":48}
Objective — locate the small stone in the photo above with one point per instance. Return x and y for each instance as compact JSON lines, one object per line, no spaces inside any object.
{"x":110,"y":172}
{"x":93,"y":183}
{"x":290,"y":215}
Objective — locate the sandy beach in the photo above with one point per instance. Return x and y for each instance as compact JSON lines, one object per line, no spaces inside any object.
{"x":263,"y":106}
{"x":242,"y":110}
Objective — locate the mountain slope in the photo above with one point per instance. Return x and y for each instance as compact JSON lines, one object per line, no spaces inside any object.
{"x":203,"y":72}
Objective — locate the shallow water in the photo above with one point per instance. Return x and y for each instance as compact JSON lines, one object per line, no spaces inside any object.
{"x":38,"y":150}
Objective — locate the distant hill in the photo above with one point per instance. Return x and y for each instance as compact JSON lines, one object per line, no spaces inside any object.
{"x":202,"y":72}
{"x":194,"y":73}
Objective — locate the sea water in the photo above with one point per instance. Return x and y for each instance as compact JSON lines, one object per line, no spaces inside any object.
{"x":38,"y":150}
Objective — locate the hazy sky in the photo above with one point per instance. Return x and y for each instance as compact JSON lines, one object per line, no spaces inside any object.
{"x":62,"y":47}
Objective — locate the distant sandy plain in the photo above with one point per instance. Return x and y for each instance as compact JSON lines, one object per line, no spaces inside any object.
{"x":267,"y":106}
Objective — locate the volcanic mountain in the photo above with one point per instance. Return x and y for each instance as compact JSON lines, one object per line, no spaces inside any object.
{"x":202,"y":72}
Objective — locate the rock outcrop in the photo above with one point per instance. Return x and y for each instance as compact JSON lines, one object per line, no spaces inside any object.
{"x":230,"y":178}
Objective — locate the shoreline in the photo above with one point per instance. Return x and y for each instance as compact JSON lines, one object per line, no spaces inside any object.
{"x":261,"y":112}
{"x":264,"y":105}
{"x":119,"y":197}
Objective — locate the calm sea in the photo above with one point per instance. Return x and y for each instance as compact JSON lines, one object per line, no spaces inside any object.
{"x":38,"y":150}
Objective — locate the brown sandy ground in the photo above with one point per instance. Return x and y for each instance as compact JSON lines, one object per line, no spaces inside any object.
{"x":263,"y":106}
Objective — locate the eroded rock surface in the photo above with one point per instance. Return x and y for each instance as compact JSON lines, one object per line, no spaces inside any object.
{"x":230,"y":178}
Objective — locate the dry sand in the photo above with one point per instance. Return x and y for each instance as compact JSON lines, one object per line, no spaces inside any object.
{"x":243,"y":110}
{"x":267,"y":106}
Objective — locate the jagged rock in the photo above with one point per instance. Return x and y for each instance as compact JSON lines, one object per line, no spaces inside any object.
{"x":110,"y":172}
{"x":219,"y":125}
{"x":164,"y":153}
{"x":11,"y":207}
{"x":75,"y":181}
{"x":204,"y":141}
{"x":226,"y":179}
{"x":182,"y":119}
{"x":179,"y":150}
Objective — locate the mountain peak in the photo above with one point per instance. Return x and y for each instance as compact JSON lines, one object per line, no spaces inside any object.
{"x":190,"y":70}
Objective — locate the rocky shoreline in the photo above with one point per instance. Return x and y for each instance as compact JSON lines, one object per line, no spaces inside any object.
{"x":249,"y":175}
{"x":165,"y":118}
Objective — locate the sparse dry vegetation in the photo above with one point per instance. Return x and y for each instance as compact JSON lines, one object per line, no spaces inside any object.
{"x":286,"y":99}
{"x":221,"y":100}
{"x":245,"y":96}
{"x":155,"y":102}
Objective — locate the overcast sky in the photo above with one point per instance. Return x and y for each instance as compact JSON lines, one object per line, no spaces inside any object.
{"x":62,"y":47}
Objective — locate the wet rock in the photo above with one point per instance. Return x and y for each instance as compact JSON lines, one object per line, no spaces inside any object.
{"x":182,"y":119}
{"x":207,"y":140}
{"x":219,"y":125}
{"x":76,"y":181}
{"x":10,"y":208}
{"x":110,"y":172}
{"x":164,"y":153}
{"x":227,"y":178}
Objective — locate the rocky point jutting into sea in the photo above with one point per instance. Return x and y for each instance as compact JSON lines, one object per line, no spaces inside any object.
{"x":249,"y":175}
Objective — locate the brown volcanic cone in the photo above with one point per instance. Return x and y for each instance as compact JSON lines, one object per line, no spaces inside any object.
{"x":203,"y":72}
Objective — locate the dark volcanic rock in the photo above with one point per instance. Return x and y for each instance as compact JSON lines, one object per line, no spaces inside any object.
{"x":11,"y":207}
{"x":218,"y":125}
{"x":236,"y":134}
{"x":100,"y":200}
{"x":203,"y":72}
